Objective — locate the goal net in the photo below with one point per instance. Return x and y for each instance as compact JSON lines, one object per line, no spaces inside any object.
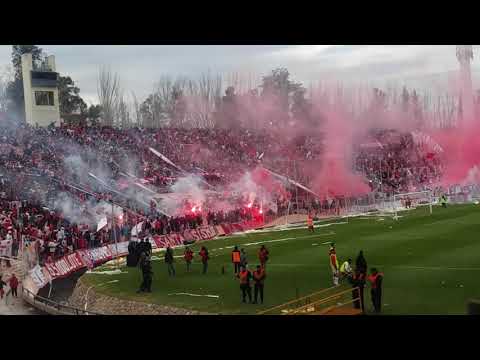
{"x":412,"y":200}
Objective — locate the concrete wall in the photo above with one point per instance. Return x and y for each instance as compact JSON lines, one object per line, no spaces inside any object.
{"x":38,"y":115}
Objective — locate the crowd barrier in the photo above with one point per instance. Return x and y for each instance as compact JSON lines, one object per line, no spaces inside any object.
{"x":51,"y":307}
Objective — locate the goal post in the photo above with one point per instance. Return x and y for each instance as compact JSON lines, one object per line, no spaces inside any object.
{"x":413,"y":200}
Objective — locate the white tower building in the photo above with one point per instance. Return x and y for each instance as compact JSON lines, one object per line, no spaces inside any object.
{"x":465,"y":56}
{"x":40,"y":89}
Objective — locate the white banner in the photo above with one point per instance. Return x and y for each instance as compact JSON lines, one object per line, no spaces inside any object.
{"x":137,"y":229}
{"x":6,"y":248}
{"x":164,"y":158}
{"x":39,"y":277}
{"x":103,"y":222}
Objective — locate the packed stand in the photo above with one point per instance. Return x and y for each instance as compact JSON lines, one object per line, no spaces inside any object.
{"x":395,"y":165}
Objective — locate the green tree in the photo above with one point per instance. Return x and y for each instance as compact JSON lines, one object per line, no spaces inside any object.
{"x":69,"y":97}
{"x":179,"y":111}
{"x":18,"y":51}
{"x":301,"y":107}
{"x":277,"y":90}
{"x":15,"y":87}
{"x":94,"y":113}
{"x":227,"y":114}
{"x":68,"y":93}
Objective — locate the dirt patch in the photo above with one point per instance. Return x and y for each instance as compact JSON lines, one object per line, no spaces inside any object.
{"x":107,"y":305}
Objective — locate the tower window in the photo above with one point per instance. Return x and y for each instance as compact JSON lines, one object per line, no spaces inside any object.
{"x":44,"y":98}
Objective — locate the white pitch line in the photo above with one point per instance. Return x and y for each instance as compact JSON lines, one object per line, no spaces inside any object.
{"x":197,"y":295}
{"x":437,"y":268}
{"x":108,"y":272}
{"x":383,"y":267}
{"x":286,"y":239}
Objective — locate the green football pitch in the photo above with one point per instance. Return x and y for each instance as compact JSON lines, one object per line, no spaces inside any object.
{"x":431,"y":264}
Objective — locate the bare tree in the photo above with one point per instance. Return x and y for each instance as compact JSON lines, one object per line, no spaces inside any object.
{"x":137,"y":116}
{"x":170,"y":94}
{"x":202,"y":96}
{"x":6,"y":75}
{"x":109,"y":95}
{"x":123,"y":113}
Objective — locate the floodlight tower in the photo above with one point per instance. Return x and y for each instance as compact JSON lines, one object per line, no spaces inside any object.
{"x":465,"y":56}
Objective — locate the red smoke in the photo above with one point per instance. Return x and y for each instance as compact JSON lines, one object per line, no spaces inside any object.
{"x":461,"y":151}
{"x":334,"y":175}
{"x":265,"y":179}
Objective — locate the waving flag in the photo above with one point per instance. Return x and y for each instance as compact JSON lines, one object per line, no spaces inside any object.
{"x":164,"y":158}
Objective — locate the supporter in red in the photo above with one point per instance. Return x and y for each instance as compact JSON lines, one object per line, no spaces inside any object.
{"x":188,"y":256}
{"x":13,"y":282}
{"x":263,"y":255}
{"x":205,"y":257}
{"x":376,"y":280}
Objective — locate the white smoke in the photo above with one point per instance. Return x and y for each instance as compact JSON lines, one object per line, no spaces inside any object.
{"x":473,"y":176}
{"x":184,"y":189}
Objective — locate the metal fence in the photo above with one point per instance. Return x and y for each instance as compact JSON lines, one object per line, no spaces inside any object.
{"x":52,"y":307}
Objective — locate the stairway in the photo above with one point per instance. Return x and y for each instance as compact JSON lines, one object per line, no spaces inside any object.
{"x":17,"y":267}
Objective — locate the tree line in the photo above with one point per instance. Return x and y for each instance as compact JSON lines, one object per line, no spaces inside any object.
{"x":202,"y":102}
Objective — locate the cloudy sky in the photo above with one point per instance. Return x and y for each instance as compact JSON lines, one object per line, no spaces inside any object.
{"x":139,"y":66}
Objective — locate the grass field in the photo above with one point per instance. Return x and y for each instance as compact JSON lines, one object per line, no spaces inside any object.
{"x":431,"y":264}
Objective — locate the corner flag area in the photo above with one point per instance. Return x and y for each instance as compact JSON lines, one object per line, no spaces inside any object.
{"x":431,"y":265}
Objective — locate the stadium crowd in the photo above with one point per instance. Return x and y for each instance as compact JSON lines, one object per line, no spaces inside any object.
{"x":39,"y":163}
{"x":392,"y":163}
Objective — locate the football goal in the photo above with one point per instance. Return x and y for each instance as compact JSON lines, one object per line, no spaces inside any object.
{"x":412,"y":200}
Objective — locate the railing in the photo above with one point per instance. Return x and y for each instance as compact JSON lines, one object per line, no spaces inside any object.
{"x":300,"y":302}
{"x":313,"y":303}
{"x":51,"y":306}
{"x":316,"y":307}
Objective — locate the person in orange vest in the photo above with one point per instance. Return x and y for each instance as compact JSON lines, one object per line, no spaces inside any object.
{"x":188,"y":256}
{"x":245,"y":276}
{"x":376,"y":279}
{"x":334,"y":264}
{"x":259,"y":279}
{"x":236,"y":259}
{"x":204,"y":255}
{"x":263,"y":256}
{"x":310,"y":223}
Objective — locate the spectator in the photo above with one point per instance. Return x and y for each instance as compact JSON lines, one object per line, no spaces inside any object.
{"x":13,"y":282}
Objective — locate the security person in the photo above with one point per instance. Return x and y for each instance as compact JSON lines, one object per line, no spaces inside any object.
{"x":169,"y":260}
{"x":148,"y":246}
{"x":361,"y":264}
{"x":358,"y":281}
{"x":244,"y":275}
{"x":146,"y":266}
{"x":259,"y":279}
{"x":236,"y":259}
{"x":376,"y":280}
{"x":243,"y":258}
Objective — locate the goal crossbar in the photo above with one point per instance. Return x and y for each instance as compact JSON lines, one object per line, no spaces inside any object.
{"x":427,"y":192}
